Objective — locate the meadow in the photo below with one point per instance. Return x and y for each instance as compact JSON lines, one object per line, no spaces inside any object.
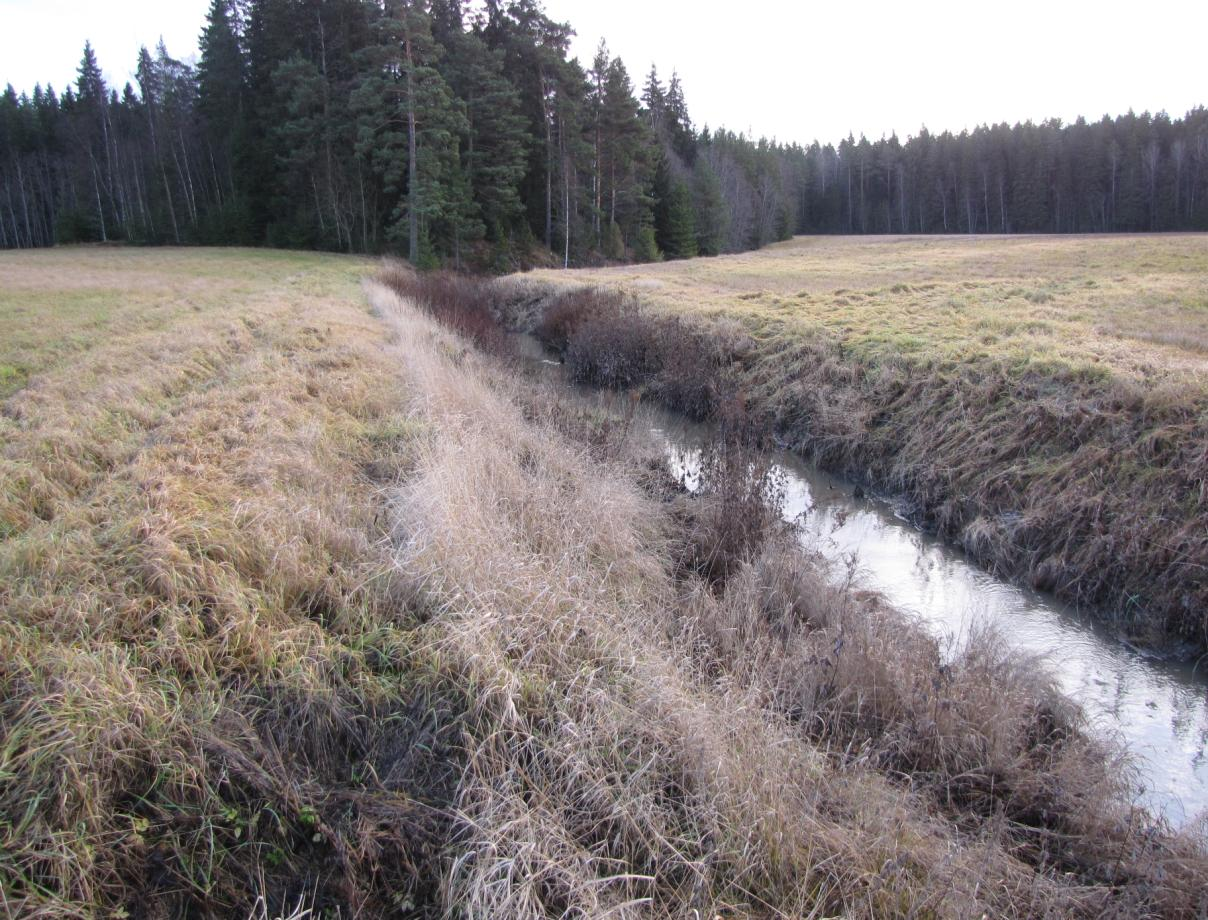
{"x":318,"y":602}
{"x":1041,"y":401}
{"x":1132,"y":305}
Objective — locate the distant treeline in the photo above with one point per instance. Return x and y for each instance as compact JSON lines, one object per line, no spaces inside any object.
{"x":414,"y":126}
{"x":1133,"y":173}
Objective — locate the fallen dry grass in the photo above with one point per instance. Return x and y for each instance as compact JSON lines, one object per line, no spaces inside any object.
{"x":1042,"y":400}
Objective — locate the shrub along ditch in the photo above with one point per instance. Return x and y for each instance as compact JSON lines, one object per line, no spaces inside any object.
{"x":461,"y":302}
{"x":607,"y":339}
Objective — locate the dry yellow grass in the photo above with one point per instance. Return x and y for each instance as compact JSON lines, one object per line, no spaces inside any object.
{"x":57,"y":305}
{"x":310,"y":608}
{"x":647,"y":747}
{"x":1136,"y":305}
{"x":199,"y":657}
{"x":1041,"y":400}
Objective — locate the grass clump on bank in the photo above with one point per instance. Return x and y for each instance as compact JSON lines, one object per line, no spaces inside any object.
{"x":1020,"y":393}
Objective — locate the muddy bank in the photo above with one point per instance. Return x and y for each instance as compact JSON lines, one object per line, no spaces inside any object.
{"x":1070,"y":482}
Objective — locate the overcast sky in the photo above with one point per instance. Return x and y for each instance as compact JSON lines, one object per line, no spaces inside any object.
{"x":793,"y":70}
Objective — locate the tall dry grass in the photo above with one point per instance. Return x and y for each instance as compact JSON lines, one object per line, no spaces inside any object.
{"x":651,"y":741}
{"x":1060,"y":473}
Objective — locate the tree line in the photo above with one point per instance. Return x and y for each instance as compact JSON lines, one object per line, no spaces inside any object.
{"x":1132,"y":173}
{"x":473,"y":139}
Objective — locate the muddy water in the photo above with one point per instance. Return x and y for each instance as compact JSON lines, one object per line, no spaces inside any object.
{"x":1158,"y":708}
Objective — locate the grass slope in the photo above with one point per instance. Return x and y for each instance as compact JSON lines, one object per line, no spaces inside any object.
{"x":1043,"y":400}
{"x":656,"y":744}
{"x":203,"y":692}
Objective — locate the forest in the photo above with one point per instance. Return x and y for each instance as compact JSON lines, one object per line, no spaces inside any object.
{"x":472,"y":139}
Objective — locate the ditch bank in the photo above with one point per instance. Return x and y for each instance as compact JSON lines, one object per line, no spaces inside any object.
{"x":688,"y":702}
{"x":1157,"y":708}
{"x":1083,"y":486}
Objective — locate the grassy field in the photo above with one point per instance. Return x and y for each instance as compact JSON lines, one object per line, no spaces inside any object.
{"x":197,"y":648}
{"x":310,"y":605}
{"x":1041,"y":400}
{"x":61,"y":306}
{"x":1136,"y":306}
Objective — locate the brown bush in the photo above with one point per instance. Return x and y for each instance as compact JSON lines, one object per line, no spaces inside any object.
{"x":692,"y":376}
{"x":461,"y":302}
{"x":563,"y":316}
{"x":608,"y":340}
{"x":616,"y":347}
{"x":738,"y":502}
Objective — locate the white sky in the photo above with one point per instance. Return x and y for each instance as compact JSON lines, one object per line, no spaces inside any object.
{"x":796,"y":71}
{"x":41,"y":41}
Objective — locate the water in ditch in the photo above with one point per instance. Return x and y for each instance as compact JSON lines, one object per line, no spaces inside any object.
{"x":1159,"y":708}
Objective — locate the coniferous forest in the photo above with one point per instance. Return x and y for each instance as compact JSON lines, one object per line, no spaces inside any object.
{"x":471,"y":140}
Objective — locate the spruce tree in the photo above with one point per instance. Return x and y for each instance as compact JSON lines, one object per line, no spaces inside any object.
{"x":627,"y":153}
{"x":533,"y":52}
{"x":409,"y":124}
{"x":709,"y":204}
{"x":220,"y":73}
{"x":677,"y":124}
{"x":654,"y":101}
{"x":597,"y":78}
{"x":674,"y":215}
{"x":646,"y":247}
{"x":91,"y":121}
{"x":681,"y":224}
{"x":221,"y":92}
{"x":90,"y":84}
{"x":495,"y":140}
